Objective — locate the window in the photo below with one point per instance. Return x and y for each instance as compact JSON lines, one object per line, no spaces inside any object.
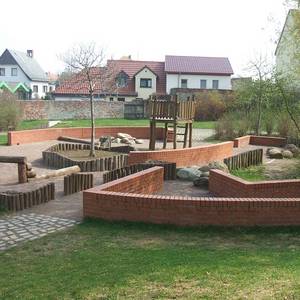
{"x":45,"y":88}
{"x":184,"y":83}
{"x":50,"y":89}
{"x":111,"y":98}
{"x":14,"y":72}
{"x":2,"y":71}
{"x":121,"y":79}
{"x":35,"y":88}
{"x":203,"y":84}
{"x":146,"y":83}
{"x":215,"y":84}
{"x":121,"y":99}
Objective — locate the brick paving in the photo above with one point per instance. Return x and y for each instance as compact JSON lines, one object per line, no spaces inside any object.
{"x":27,"y":227}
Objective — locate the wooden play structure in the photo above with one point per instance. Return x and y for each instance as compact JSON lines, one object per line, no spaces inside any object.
{"x":177,"y":114}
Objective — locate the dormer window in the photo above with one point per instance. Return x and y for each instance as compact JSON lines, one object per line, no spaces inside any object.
{"x":121,"y":80}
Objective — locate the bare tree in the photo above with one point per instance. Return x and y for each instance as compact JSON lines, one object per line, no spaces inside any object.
{"x":90,"y":76}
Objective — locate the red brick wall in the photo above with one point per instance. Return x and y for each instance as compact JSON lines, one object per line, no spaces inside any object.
{"x":267,"y":141}
{"x":242,"y":141}
{"x":259,"y":141}
{"x":108,"y":203}
{"x":187,"y":156}
{"x":225,"y":185}
{"x":39,"y":135}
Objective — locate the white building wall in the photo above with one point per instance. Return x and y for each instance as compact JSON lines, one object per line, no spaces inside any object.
{"x":193,"y":81}
{"x":40,"y":85}
{"x":144,"y":93}
{"x":21,"y":77}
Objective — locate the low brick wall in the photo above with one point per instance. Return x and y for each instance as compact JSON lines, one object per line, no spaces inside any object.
{"x":225,"y":185}
{"x":126,"y":200}
{"x":68,"y":109}
{"x":242,"y":141}
{"x":271,"y":141}
{"x":187,"y":156}
{"x":40,"y":135}
{"x":267,"y":141}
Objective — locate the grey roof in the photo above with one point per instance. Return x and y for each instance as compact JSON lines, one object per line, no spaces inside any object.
{"x":29,"y":65}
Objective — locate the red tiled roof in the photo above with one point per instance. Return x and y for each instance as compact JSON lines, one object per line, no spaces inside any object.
{"x":198,"y":65}
{"x":132,"y":67}
{"x":78,"y":84}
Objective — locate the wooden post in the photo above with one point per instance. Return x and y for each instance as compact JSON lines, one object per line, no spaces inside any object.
{"x":22,"y":174}
{"x":190,"y":134}
{"x":165,"y":136}
{"x":186,"y":129}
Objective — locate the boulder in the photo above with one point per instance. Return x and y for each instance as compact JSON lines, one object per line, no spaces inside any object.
{"x":205,"y":174}
{"x":121,"y":136}
{"x":31,"y":174}
{"x":292,"y":148}
{"x":116,"y":141}
{"x":275,"y":153}
{"x":139,"y":141}
{"x":287,"y":154}
{"x":127,"y":141}
{"x":269,"y":149}
{"x":219,"y":165}
{"x":201,"y":182}
{"x":189,"y":174}
{"x":28,"y":166}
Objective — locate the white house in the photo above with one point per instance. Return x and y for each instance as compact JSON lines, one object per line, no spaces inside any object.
{"x":21,"y":68}
{"x":196,"y":72}
{"x":288,"y":48}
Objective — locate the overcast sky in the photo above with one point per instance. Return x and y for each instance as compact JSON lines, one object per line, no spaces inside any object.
{"x":148,"y":30}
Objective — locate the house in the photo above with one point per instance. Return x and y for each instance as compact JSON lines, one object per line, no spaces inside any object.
{"x":136,"y":79}
{"x":288,"y":48}
{"x":195,"y":72}
{"x":20,"y":73}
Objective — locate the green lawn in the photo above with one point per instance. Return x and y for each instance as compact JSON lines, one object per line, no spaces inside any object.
{"x":123,"y":122}
{"x":3,"y":139}
{"x":99,"y":260}
{"x":254,"y":173}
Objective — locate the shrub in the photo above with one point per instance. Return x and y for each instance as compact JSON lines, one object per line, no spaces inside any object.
{"x":269,"y":123}
{"x":10,"y":112}
{"x":211,"y":105}
{"x":284,"y":125}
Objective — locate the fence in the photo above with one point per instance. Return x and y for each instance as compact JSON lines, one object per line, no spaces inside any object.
{"x":53,"y":158}
{"x":169,"y":171}
{"x":75,"y":183}
{"x":15,"y":201}
{"x":245,"y":160}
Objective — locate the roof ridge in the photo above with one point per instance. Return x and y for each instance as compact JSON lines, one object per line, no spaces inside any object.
{"x":135,"y":60}
{"x":192,"y":56}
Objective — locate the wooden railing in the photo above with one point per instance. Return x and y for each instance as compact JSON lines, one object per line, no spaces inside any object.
{"x":169,"y":110}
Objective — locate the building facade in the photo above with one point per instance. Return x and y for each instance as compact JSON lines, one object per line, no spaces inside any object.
{"x":21,"y":69}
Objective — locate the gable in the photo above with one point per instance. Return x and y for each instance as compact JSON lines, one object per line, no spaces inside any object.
{"x":7,"y":59}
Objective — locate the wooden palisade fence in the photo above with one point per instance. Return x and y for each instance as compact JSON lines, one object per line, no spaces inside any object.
{"x":169,"y":171}
{"x":78,"y":182}
{"x":52,"y":157}
{"x":245,"y":160}
{"x":15,"y":201}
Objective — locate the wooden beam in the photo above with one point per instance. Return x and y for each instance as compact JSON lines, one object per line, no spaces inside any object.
{"x":13,"y":159}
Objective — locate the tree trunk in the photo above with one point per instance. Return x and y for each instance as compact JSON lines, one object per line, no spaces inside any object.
{"x":92,"y":151}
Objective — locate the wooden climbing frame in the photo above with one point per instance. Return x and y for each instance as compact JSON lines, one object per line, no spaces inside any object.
{"x":179,"y":114}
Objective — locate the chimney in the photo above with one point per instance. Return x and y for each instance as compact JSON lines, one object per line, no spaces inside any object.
{"x":30,"y":53}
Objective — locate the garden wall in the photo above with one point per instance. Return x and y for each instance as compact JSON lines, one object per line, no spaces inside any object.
{"x":225,"y":185}
{"x":109,"y":203}
{"x":259,"y":141}
{"x":185,"y":157}
{"x":61,"y":110}
{"x":40,"y":135}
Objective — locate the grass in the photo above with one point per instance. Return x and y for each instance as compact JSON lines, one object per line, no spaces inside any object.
{"x":123,"y":122}
{"x":3,"y":139}
{"x":254,"y":173}
{"x":99,"y":260}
